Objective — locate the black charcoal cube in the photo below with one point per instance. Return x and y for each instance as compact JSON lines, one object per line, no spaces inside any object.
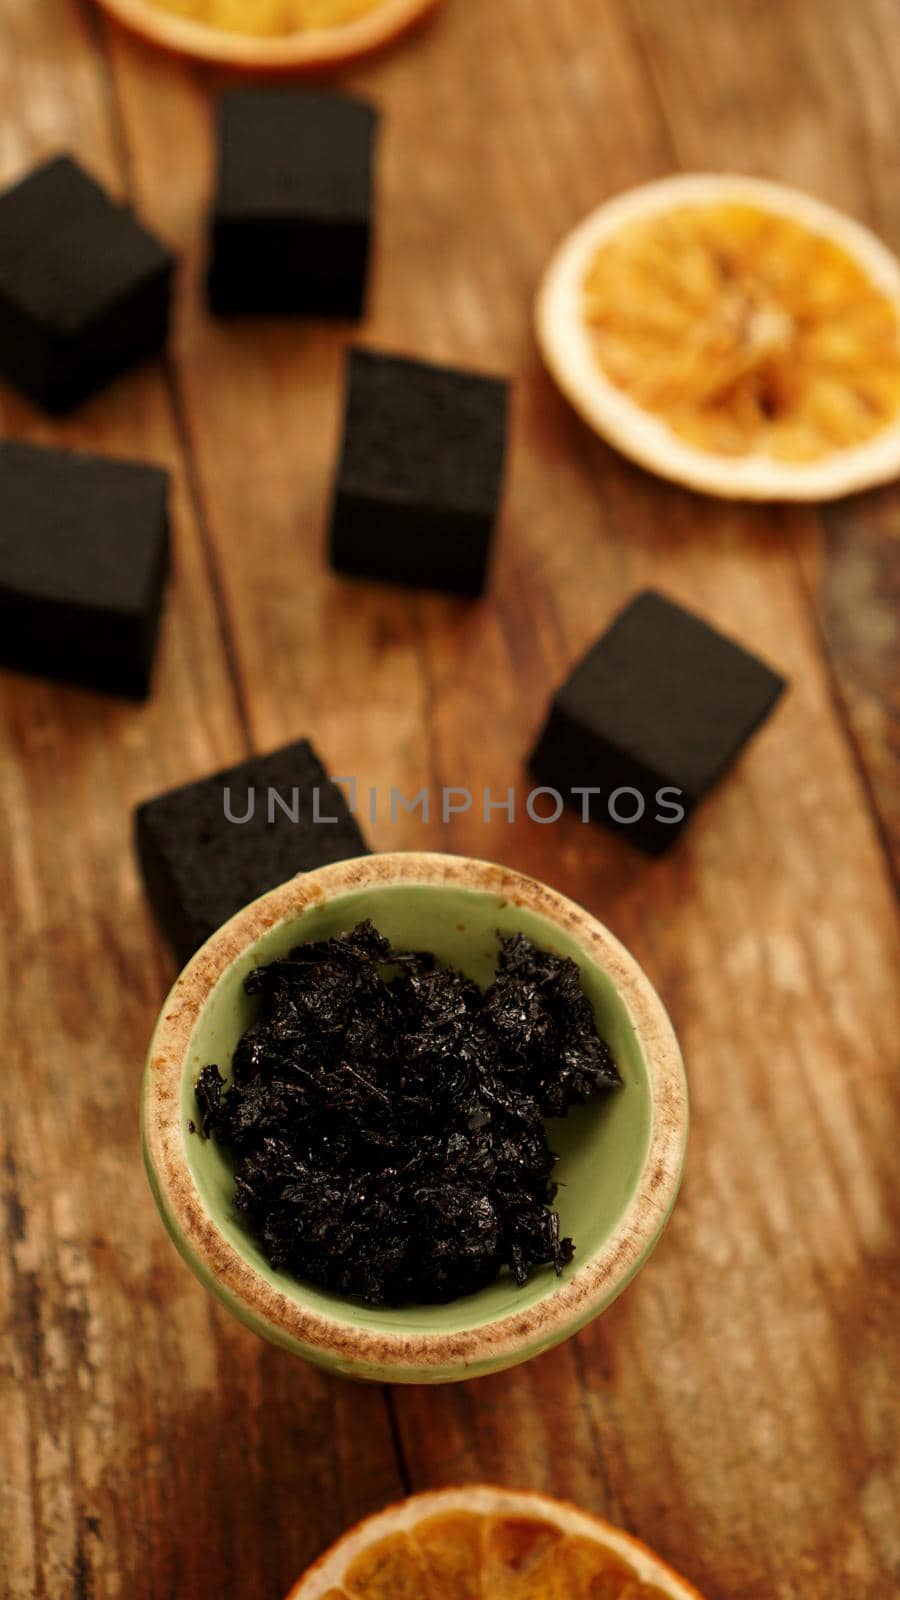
{"x":84,"y":553}
{"x":292,"y":218}
{"x":208,"y":849}
{"x":658,"y":709}
{"x":421,"y":473}
{"x":84,"y":289}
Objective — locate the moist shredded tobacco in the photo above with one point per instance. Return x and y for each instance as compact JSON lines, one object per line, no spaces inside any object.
{"x":386,"y":1116}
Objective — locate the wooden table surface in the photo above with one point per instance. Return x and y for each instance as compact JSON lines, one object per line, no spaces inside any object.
{"x":738,"y":1407}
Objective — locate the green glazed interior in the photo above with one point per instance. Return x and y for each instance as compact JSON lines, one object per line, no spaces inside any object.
{"x":602,"y":1147}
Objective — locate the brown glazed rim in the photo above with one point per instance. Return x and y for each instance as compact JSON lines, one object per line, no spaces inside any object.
{"x":331,"y":1341}
{"x":302,"y":51}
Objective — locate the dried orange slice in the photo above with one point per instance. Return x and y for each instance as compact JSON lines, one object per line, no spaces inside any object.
{"x":732,"y":335}
{"x":270,"y":34}
{"x":481,"y":1543}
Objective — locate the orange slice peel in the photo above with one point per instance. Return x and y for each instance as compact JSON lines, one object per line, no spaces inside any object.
{"x":732,"y":335}
{"x":484,"y":1543}
{"x":270,"y":35}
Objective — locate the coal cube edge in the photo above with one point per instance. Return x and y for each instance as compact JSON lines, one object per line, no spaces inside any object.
{"x":653,"y":716}
{"x":293,"y":212}
{"x":84,"y":557}
{"x":420,"y":475}
{"x":211,"y":847}
{"x":85,"y":289}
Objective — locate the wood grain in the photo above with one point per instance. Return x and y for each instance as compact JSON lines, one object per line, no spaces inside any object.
{"x":151,"y":1446}
{"x":736,"y":1408}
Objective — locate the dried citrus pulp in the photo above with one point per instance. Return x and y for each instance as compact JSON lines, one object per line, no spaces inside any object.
{"x":732,"y":335}
{"x":488,"y":1544}
{"x":270,"y":33}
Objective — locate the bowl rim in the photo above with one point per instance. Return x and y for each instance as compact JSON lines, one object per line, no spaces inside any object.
{"x":304,"y":50}
{"x":329,"y":1340}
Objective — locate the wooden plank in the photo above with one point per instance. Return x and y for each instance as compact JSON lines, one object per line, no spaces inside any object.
{"x":138,"y":1453}
{"x":854,"y":580}
{"x":261,"y":403}
{"x":735,"y":1407}
{"x":720,"y":1413}
{"x":716,"y":1403}
{"x":719,"y":82}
